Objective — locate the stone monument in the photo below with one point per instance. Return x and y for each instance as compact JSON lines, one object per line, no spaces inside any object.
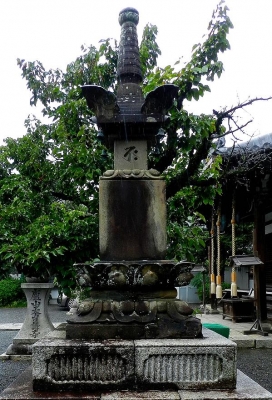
{"x":132,"y":332}
{"x":37,"y":323}
{"x":133,"y":287}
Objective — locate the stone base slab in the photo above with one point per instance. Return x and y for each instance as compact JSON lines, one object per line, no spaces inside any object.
{"x":195,"y":364}
{"x":246,"y":389}
{"x":153,"y":364}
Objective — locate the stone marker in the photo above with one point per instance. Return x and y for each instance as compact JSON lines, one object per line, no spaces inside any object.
{"x":37,"y":323}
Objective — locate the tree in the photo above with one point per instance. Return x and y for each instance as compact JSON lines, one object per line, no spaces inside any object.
{"x":49,"y":178}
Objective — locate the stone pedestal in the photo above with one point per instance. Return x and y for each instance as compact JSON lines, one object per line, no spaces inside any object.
{"x":37,"y":323}
{"x":155,"y":364}
{"x":132,"y":219}
{"x":246,"y":389}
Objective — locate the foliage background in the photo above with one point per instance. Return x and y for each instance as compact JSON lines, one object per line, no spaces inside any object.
{"x":49,"y":177}
{"x":11,"y":293}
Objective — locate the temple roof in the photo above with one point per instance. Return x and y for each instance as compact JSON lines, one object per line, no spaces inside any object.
{"x":263,"y":142}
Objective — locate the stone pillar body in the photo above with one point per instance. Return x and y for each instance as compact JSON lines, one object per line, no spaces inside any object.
{"x":132,"y":220}
{"x":37,"y":323}
{"x":132,"y":207}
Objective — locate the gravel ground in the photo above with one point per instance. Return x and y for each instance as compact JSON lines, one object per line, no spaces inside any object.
{"x":10,"y":370}
{"x":10,"y":315}
{"x":256,"y":363}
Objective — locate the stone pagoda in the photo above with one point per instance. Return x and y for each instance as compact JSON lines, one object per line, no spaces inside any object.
{"x":133,"y":292}
{"x":132,"y":333}
{"x":133,"y":337}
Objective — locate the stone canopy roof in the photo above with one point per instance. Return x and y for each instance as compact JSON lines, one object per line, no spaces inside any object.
{"x":128,"y":115}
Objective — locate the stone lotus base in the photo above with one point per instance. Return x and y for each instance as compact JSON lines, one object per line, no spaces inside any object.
{"x":134,"y":315}
{"x":164,"y":364}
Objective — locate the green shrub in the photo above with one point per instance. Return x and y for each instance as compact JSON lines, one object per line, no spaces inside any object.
{"x":197,"y":282}
{"x":18,"y":304}
{"x":11,"y":292}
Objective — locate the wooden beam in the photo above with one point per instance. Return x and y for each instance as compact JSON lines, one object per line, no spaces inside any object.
{"x":259,"y":250}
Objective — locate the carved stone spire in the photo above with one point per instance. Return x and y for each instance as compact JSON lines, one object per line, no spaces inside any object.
{"x":128,"y":115}
{"x":129,"y":67}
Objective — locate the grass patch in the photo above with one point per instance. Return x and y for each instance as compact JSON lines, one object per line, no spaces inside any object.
{"x":17,"y":304}
{"x":11,"y":292}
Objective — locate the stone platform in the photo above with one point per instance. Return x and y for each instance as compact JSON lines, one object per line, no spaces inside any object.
{"x":246,"y":389}
{"x":153,"y":364}
{"x":195,"y":369}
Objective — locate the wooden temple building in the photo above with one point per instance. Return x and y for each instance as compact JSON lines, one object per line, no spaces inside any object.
{"x":248,"y":185}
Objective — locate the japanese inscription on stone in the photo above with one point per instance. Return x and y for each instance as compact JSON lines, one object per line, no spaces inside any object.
{"x":35,"y":312}
{"x":130,"y":155}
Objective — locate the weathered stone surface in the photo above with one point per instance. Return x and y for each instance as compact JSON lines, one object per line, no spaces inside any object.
{"x":131,"y":174}
{"x":246,"y":389}
{"x":98,"y":331}
{"x":37,"y":323}
{"x":133,"y":319}
{"x":139,"y":279}
{"x":129,"y":116}
{"x":130,"y":155}
{"x":166,"y":364}
{"x":244,"y":343}
{"x":132,"y":220}
{"x":128,"y":66}
{"x":21,"y":389}
{"x":150,"y":394}
{"x":188,"y":364}
{"x":264,"y":343}
{"x":78,"y":365}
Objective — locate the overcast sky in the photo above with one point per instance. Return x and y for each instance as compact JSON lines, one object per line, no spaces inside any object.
{"x":52,"y":32}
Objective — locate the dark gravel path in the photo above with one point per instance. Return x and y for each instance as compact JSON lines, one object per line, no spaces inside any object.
{"x":14,"y":315}
{"x":10,"y":370}
{"x":256,"y":363}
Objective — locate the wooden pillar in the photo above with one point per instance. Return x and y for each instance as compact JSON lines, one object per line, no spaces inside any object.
{"x":259,"y":250}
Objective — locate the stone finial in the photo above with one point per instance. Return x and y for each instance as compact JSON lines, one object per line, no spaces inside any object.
{"x":128,"y":115}
{"x":128,"y":66}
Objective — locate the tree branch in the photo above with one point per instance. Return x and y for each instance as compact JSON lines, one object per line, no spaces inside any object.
{"x":181,"y":181}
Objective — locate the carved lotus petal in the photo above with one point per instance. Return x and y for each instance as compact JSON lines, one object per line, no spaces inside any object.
{"x":184,"y":278}
{"x":85,"y":307}
{"x":150,"y":278}
{"x":127,"y":307}
{"x":142,"y":307}
{"x":154,"y":172}
{"x":183,"y":308}
{"x":117,"y":278}
{"x":109,"y":172}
